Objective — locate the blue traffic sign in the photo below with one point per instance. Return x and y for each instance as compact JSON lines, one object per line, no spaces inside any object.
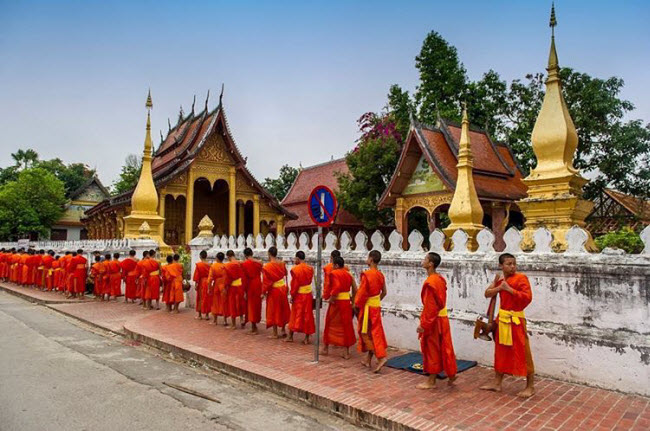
{"x":322,"y":206}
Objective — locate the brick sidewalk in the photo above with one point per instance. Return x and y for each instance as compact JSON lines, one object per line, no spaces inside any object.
{"x":34,"y":295}
{"x":386,"y":401}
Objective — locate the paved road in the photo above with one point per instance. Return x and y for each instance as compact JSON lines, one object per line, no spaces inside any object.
{"x":57,"y":374}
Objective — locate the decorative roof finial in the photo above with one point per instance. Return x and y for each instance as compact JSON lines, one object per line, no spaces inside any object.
{"x":169,"y":125}
{"x":149,"y":103}
{"x":193,"y":103}
{"x":206,"y":100}
{"x":161,"y":137}
{"x":221,"y":95}
{"x":553,"y":22}
{"x":552,"y":67}
{"x":181,"y":114}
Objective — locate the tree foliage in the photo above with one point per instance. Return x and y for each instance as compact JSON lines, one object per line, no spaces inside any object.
{"x":73,"y":175}
{"x":371,"y":165}
{"x":30,"y":204}
{"x":279,"y":187}
{"x":129,"y":175}
{"x":623,"y":239}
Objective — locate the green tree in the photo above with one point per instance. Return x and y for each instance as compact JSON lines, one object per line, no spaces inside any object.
{"x":443,"y":80}
{"x":129,"y":175}
{"x":73,"y":175}
{"x":31,"y":204}
{"x":279,"y":187}
{"x":371,"y":165}
{"x":400,"y":108}
{"x":486,"y":100}
{"x":25,"y":158}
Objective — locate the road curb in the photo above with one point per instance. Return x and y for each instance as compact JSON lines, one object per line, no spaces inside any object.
{"x":357,"y":416}
{"x":30,"y":298}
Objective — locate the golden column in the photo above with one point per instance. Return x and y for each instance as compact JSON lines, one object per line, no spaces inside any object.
{"x":256,"y":215}
{"x":161,"y":211}
{"x":144,"y":202}
{"x":189,"y":206}
{"x":465,"y":211}
{"x":232,"y":202}
{"x":279,"y":224}
{"x":554,"y":193}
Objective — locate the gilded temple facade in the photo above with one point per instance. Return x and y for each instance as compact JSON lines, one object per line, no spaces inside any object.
{"x":197,"y":170}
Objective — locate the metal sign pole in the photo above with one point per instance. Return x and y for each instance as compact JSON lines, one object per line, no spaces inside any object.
{"x":318,"y":291}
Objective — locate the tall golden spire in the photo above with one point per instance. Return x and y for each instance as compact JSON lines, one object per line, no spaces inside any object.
{"x":145,"y":197}
{"x":554,"y":186}
{"x":465,"y":211}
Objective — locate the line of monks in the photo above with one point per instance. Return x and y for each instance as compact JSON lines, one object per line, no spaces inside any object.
{"x":233,"y":289}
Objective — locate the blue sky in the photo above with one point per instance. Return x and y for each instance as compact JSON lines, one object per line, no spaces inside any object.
{"x":74,"y":74}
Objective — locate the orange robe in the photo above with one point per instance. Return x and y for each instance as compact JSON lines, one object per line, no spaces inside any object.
{"x":437,"y":348}
{"x":56,"y":274}
{"x":302,"y":313}
{"x":143,"y":275}
{"x":339,"y":330}
{"x":38,"y":270}
{"x":32,"y":263}
{"x":151,"y":286}
{"x":175,"y":274}
{"x":372,"y":282}
{"x":47,"y":273}
{"x":166,"y":283}
{"x":63,"y":265}
{"x":252,"y":271}
{"x":24,"y":268}
{"x":217,"y":280}
{"x":515,"y":359}
{"x":203,"y":292}
{"x":130,"y":276}
{"x":277,"y":304}
{"x":80,"y":273}
{"x":98,"y":271}
{"x":235,"y":289}
{"x":114,"y":278}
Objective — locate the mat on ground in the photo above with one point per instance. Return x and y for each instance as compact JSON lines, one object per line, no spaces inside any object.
{"x":413,"y":362}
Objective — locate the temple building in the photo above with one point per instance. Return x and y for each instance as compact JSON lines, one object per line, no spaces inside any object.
{"x":297,"y":198}
{"x":614,"y":210}
{"x":197,"y":170}
{"x":70,"y":226}
{"x":426,"y":173}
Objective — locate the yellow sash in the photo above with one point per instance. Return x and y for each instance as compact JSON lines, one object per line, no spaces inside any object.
{"x":305,"y":289}
{"x":279,"y":283}
{"x":81,"y":266}
{"x":41,"y":268}
{"x":506,"y":319}
{"x":236,"y":282}
{"x":153,"y":274}
{"x":342,"y":296}
{"x":443,"y":312}
{"x":373,"y":301}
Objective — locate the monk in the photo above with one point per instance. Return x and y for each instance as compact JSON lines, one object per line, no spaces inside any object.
{"x":26,"y":264}
{"x":217,"y":281}
{"x":152,"y":284}
{"x":367,"y":301}
{"x":203,"y":293}
{"x":434,"y":331}
{"x":143,"y":275}
{"x":115,"y":276}
{"x":175,"y":273}
{"x":56,"y":272}
{"x":274,"y":287}
{"x":39,"y":274}
{"x":106,"y":277}
{"x":48,"y":260}
{"x":69,"y":275}
{"x":235,"y":290}
{"x":511,"y":347}
{"x":130,"y":276}
{"x":252,"y":272}
{"x":97,"y":272}
{"x":166,"y":280}
{"x":80,"y":273}
{"x":339,"y":330}
{"x":302,"y":313}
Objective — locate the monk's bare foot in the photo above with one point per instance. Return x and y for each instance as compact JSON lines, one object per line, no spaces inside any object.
{"x":198,"y":318}
{"x":176,"y":311}
{"x":324,"y":352}
{"x":365,"y":363}
{"x":493,"y":387}
{"x":233,"y":327}
{"x":426,"y":385}
{"x":273,"y":337}
{"x":252,"y":332}
{"x":452,"y":381}
{"x":284,"y":334}
{"x":243,"y":325}
{"x":526,"y":393}
{"x":306,"y":342}
{"x":346,"y":356}
{"x":288,"y":340}
{"x":380,"y":365}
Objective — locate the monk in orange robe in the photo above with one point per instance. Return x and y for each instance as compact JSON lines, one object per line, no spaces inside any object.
{"x":372,"y":290}
{"x":115,"y":276}
{"x":203,"y":292}
{"x":302,"y":313}
{"x":143,"y":275}
{"x":39,"y":277}
{"x":63,"y":267}
{"x":47,"y":276}
{"x":56,"y":272}
{"x":97,"y":272}
{"x":434,"y":331}
{"x":130,"y":276}
{"x":217,"y":282}
{"x":79,"y":265}
{"x":274,"y":287}
{"x":152,"y":284}
{"x":175,"y":274}
{"x":69,"y":275}
{"x":339,"y":330}
{"x":252,"y":271}
{"x":235,"y":290}
{"x":25,"y":266}
{"x":511,"y":347}
{"x":166,"y":281}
